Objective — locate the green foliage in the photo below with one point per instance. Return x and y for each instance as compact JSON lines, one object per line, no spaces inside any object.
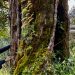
{"x":67,"y":67}
{"x":3,"y":14}
{"x":4,"y":71}
{"x":28,"y":29}
{"x":4,"y":34}
{"x":4,"y":27}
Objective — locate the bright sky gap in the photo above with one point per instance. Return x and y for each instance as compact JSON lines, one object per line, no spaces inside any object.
{"x":71,"y":4}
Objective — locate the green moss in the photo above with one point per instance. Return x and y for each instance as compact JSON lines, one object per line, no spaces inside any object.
{"x":34,"y":64}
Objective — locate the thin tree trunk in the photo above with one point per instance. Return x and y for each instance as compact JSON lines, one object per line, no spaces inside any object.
{"x":15,"y":28}
{"x":51,"y":44}
{"x":19,"y":18}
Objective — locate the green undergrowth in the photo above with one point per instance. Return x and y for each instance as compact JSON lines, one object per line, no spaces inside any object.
{"x":67,"y":67}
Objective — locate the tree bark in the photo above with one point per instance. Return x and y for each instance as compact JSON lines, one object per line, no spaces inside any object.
{"x":43,"y":15}
{"x":49,"y":24}
{"x":51,"y":44}
{"x":15,"y":28}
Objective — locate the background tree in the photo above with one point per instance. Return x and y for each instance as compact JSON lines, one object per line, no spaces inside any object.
{"x":15,"y":27}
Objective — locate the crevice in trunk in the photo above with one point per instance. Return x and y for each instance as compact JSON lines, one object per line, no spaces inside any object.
{"x":59,"y":45}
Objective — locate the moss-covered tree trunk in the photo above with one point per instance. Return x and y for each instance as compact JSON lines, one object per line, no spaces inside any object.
{"x":43,"y":24}
{"x":41,"y":16}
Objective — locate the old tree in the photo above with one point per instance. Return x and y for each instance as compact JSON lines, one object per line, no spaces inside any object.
{"x":39,"y":28}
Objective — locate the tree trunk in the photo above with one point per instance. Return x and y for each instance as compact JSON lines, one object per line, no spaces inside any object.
{"x":15,"y":28}
{"x":45,"y":24}
{"x":43,"y":16}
